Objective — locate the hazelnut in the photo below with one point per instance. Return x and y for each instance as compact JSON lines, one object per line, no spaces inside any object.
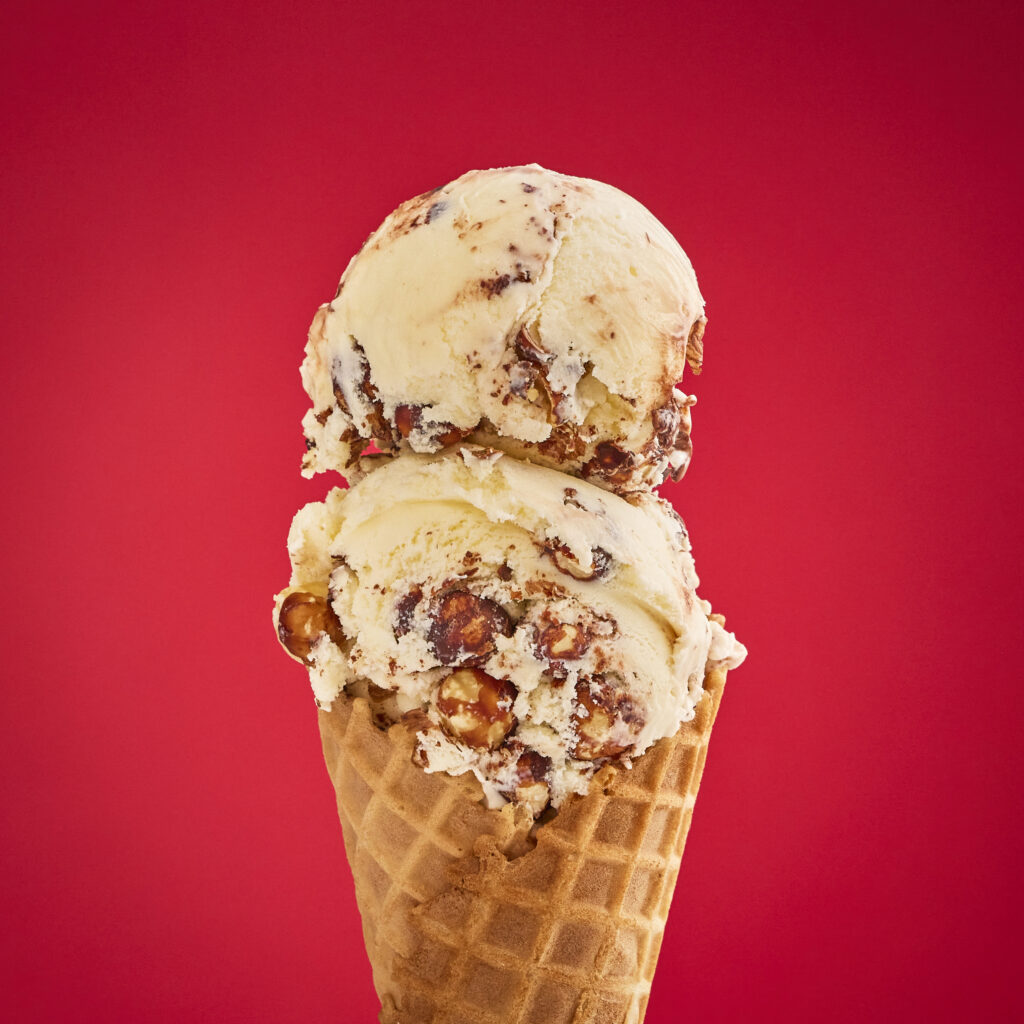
{"x":530,"y":350}
{"x":407,"y":418}
{"x":303,"y":619}
{"x":533,"y":795}
{"x":465,"y":627}
{"x":566,"y":562}
{"x":563,"y":641}
{"x":446,"y":434}
{"x":476,"y":708}
{"x":603,"y":709}
{"x":610,"y":456}
{"x":695,"y":344}
{"x":672,"y":423}
{"x":564,"y":443}
{"x":380,"y":429}
{"x":611,"y":463}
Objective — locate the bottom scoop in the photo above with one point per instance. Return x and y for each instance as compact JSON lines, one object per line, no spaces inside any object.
{"x":530,"y":626}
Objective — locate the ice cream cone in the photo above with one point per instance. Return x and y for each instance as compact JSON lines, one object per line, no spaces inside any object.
{"x":469,"y":918}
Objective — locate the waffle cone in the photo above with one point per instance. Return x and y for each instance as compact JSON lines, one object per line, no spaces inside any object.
{"x":468,"y":919}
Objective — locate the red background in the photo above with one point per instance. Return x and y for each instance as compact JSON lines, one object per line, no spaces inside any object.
{"x":184,"y":183}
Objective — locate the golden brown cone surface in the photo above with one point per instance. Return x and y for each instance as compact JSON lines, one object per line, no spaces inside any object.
{"x":466,"y":921}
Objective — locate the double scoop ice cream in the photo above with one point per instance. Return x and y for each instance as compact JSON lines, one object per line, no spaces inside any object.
{"x":515,"y":676}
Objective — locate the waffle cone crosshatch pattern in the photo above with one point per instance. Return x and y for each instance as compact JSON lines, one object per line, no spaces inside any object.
{"x":470,"y":915}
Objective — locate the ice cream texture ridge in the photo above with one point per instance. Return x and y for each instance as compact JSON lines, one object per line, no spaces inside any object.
{"x":499,"y":599}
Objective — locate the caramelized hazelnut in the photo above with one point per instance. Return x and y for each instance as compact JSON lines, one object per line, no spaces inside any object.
{"x":477,"y":708}
{"x":303,"y":619}
{"x":380,"y":429}
{"x":598,"y":713}
{"x":695,"y":344}
{"x":465,"y":627}
{"x":567,"y":562}
{"x":672,"y":423}
{"x":446,"y":434}
{"x":611,"y":463}
{"x":534,"y":796}
{"x":564,"y":443}
{"x":563,"y":641}
{"x":407,"y":418}
{"x":529,"y":349}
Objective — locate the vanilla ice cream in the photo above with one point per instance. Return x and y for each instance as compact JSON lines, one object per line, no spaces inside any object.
{"x":545,"y":315}
{"x":532,"y":624}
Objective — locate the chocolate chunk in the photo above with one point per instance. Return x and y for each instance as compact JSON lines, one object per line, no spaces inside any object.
{"x":666,"y":425}
{"x":495,"y":285}
{"x":404,"y":608}
{"x":611,"y":463}
{"x":436,"y":210}
{"x":570,"y":498}
{"x":532,"y":767}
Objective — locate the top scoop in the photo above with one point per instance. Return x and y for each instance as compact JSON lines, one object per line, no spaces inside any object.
{"x":545,"y":315}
